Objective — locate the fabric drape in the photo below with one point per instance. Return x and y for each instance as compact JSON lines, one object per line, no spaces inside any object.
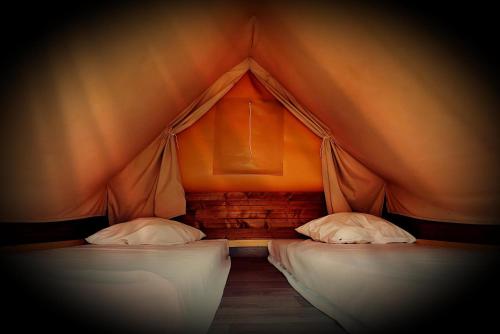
{"x":131,"y":193}
{"x":348,"y":185}
{"x":151,"y":184}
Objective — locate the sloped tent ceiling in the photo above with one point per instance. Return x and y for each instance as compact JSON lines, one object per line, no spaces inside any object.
{"x":399,"y":102}
{"x":99,"y":94}
{"x":151,"y":185}
{"x":394,"y":98}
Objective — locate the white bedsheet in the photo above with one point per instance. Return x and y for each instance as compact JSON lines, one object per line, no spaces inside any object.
{"x":382,"y":288}
{"x":143,"y":289}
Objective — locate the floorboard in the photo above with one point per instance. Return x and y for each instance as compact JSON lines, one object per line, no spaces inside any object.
{"x":258,"y":299}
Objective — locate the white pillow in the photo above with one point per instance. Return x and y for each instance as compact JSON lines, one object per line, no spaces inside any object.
{"x":353,"y":227}
{"x":146,"y":231}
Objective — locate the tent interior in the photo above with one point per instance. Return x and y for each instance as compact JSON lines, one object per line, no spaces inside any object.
{"x":246,"y":121}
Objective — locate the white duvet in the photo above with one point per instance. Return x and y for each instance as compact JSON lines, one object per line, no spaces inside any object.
{"x":143,"y":289}
{"x":380,"y":288}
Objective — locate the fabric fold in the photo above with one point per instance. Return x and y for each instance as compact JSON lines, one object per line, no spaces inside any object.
{"x":347,"y":184}
{"x":151,"y":184}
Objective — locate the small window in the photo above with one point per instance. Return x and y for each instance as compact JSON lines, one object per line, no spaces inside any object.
{"x":248,"y":137}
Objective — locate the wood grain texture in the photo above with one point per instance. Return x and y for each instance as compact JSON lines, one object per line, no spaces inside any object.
{"x":247,"y":215}
{"x":258,"y":299}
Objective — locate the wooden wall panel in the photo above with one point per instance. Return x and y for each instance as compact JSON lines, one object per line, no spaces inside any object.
{"x":247,"y":215}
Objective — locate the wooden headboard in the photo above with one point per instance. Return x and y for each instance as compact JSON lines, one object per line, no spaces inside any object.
{"x":252,"y":215}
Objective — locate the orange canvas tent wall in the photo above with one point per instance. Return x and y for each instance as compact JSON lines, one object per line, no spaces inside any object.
{"x":301,"y":161}
{"x":395,"y":100}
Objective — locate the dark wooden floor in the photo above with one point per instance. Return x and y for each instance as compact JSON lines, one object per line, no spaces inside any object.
{"x":258,"y":299}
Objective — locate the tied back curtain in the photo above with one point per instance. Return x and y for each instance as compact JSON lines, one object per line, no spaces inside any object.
{"x":348,"y":185}
{"x":151,"y":184}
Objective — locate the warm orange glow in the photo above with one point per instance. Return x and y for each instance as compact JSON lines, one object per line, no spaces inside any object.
{"x":248,"y":137}
{"x":409,"y":107}
{"x":301,"y":161}
{"x":81,"y":110}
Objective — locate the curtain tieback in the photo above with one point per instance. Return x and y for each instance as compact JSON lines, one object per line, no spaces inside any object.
{"x":170,"y":133}
{"x":328,"y":137}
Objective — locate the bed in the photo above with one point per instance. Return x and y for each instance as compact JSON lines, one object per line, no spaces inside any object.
{"x":124,"y":288}
{"x":393,"y":287}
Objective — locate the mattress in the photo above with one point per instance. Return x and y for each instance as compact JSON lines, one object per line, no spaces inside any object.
{"x":393,"y":287}
{"x":143,"y":289}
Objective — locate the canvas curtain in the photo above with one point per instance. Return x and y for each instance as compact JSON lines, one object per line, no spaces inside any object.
{"x":151,"y":184}
{"x":348,"y":185}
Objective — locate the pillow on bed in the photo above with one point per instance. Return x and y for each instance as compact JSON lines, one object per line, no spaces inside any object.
{"x":353,"y":227}
{"x":146,"y":231}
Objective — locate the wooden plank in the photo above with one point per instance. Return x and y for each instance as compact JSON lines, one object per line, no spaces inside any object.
{"x":300,"y":204}
{"x":256,"y":201}
{"x":307,"y":196}
{"x":252,"y":233}
{"x":204,"y":204}
{"x":215,"y":223}
{"x":252,"y":223}
{"x":296,"y":214}
{"x":236,"y":195}
{"x":248,"y":233}
{"x":238,"y":233}
{"x":282,"y":223}
{"x":206,"y":225}
{"x":208,"y":196}
{"x":252,"y":214}
{"x":254,"y":207}
{"x":259,"y":206}
{"x":258,"y":299}
{"x":275,"y":221}
{"x":207,"y":214}
{"x":247,"y":223}
{"x":270,"y":195}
